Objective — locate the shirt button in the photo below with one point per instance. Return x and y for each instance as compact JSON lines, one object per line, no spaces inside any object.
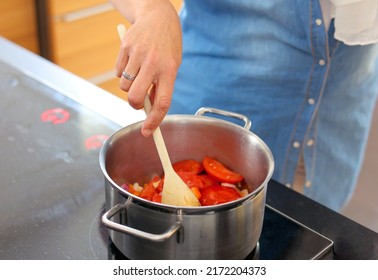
{"x":296,"y":144}
{"x":321,"y":62}
{"x":308,"y":184}
{"x":311,"y":101}
{"x":310,"y":142}
{"x":318,"y":22}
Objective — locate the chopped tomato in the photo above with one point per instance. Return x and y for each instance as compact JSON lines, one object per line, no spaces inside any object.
{"x":133,"y":191}
{"x":220,"y":172}
{"x":217,"y":195}
{"x":189,"y":165}
{"x":148,"y":192}
{"x":157,"y":183}
{"x":190,"y":179}
{"x":159,"y":188}
{"x":156,"y":198}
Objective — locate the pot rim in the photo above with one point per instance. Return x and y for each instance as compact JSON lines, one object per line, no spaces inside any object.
{"x":191,"y":209}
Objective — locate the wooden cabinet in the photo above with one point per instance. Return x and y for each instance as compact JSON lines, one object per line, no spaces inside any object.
{"x":82,"y":38}
{"x":18,"y":23}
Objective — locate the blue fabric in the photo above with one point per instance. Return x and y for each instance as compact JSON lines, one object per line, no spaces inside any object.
{"x":263,"y":59}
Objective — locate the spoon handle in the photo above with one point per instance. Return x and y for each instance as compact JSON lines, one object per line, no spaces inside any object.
{"x":159,"y":140}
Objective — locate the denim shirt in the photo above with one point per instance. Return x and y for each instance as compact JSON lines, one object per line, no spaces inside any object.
{"x":304,"y":91}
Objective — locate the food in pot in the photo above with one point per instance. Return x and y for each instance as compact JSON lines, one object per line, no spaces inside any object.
{"x":211,"y":181}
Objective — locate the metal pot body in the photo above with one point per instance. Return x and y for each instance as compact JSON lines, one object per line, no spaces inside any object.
{"x":143,"y":229}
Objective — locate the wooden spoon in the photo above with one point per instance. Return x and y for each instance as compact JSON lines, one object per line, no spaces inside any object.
{"x":175,"y":191}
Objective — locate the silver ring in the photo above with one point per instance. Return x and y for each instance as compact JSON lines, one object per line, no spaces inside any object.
{"x":128,"y":76}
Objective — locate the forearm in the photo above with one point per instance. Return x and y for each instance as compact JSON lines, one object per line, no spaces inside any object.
{"x":133,"y":9}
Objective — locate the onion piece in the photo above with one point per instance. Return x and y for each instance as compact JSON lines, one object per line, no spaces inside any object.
{"x":137,"y":187}
{"x":229,"y":185}
{"x":156,"y":184}
{"x":243,"y":192}
{"x":125,"y":187}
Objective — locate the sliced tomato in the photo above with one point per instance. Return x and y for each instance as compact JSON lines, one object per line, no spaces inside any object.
{"x":188,"y":165}
{"x":190,"y":179}
{"x":220,"y":172}
{"x":208,"y":181}
{"x":217,"y":195}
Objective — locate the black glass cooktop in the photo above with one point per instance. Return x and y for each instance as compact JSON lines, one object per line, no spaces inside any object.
{"x":52,"y":189}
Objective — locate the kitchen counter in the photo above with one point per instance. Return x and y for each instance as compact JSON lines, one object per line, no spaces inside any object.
{"x":52,"y":189}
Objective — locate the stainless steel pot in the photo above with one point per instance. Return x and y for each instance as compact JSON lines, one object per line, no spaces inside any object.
{"x":143,"y":229}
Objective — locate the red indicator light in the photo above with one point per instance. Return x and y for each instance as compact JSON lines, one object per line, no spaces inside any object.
{"x":55,"y":116}
{"x":95,"y":142}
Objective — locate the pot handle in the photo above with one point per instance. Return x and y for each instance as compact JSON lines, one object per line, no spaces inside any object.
{"x":204,"y":110}
{"x":135,"y":232}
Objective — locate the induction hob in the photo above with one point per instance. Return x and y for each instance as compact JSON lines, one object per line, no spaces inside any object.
{"x":52,"y":189}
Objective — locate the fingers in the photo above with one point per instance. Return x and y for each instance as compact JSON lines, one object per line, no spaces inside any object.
{"x":126,"y":68}
{"x":142,"y":71}
{"x":129,"y":74}
{"x":148,"y":74}
{"x":150,"y":70}
{"x":161,"y":96}
{"x":147,"y":57}
{"x":129,"y":61}
{"x":123,"y":58}
{"x":137,"y":79}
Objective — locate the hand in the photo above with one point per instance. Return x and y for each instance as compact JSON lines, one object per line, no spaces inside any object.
{"x":151,"y":51}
